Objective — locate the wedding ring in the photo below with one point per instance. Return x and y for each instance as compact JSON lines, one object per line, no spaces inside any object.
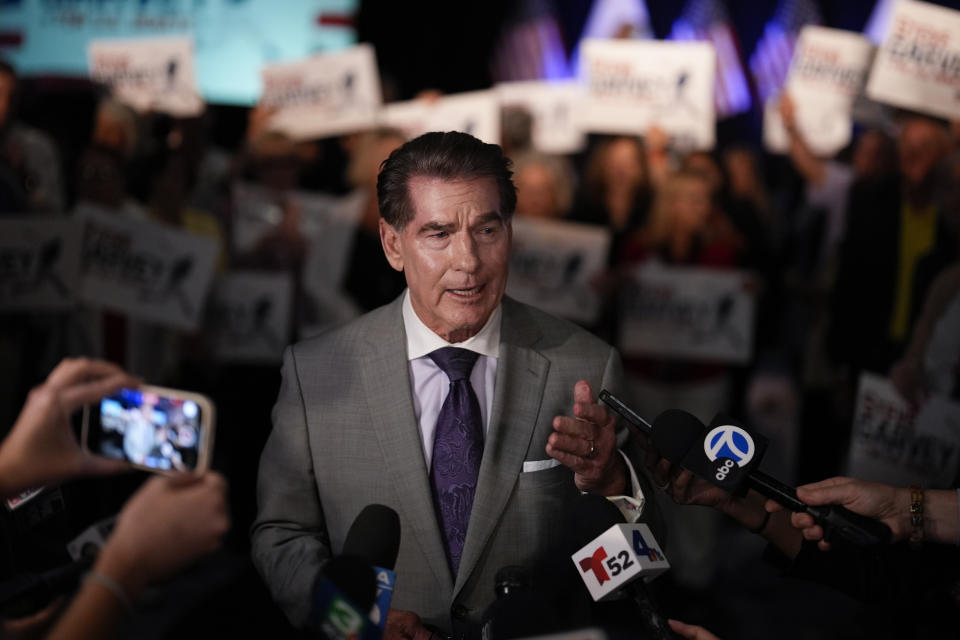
{"x":593,"y":451}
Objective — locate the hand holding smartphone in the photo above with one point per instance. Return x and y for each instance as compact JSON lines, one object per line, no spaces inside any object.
{"x":153,"y":428}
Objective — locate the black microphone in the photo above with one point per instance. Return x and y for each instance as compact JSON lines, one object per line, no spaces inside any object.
{"x":727,"y":455}
{"x":347,"y":588}
{"x":375,"y":537}
{"x":608,"y":557}
{"x":520,"y":610}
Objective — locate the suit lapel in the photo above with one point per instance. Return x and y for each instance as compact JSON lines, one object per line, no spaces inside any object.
{"x":391,"y":406}
{"x":521,"y":375}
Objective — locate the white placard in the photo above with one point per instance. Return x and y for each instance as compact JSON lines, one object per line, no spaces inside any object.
{"x":474,"y":112}
{"x":323,"y":218}
{"x":552,"y":265}
{"x":328,"y":257}
{"x":688,"y":313}
{"x":828,"y":71}
{"x":324,"y":95}
{"x":918,"y":64}
{"x":145,"y":269}
{"x":249,"y":316}
{"x":634,"y":85}
{"x":39,"y":263}
{"x":149,"y":74}
{"x":892,"y":444}
{"x":553,"y":107}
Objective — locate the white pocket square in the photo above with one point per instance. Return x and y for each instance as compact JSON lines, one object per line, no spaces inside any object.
{"x":539,"y":465}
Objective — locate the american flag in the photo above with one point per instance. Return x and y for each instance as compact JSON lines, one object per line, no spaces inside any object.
{"x":707,"y":20}
{"x":530,"y":46}
{"x":771,"y":59}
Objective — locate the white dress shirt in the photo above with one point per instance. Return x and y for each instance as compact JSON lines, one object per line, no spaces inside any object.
{"x":431,"y":386}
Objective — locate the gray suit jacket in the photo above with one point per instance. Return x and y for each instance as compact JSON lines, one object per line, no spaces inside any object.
{"x":345,"y":435}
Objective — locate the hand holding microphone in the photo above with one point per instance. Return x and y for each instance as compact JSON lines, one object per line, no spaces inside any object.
{"x":726,"y":455}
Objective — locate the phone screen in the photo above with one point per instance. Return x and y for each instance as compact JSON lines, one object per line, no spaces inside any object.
{"x":147,"y":429}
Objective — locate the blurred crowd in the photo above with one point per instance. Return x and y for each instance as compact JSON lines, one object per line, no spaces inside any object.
{"x":853,"y":261}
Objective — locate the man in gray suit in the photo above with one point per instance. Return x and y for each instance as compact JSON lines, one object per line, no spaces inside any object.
{"x":481,"y":462}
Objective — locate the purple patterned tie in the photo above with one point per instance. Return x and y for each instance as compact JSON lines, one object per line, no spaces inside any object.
{"x":457,"y":450}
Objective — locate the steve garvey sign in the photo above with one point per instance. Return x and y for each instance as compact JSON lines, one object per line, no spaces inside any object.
{"x":918,"y":64}
{"x":891,"y":442}
{"x":149,"y":74}
{"x":324,"y":95}
{"x":634,"y":85}
{"x":688,"y":313}
{"x":39,"y":263}
{"x":552,"y":265}
{"x":828,"y":71}
{"x":145,"y":269}
{"x":249,"y":316}
{"x":473,"y":112}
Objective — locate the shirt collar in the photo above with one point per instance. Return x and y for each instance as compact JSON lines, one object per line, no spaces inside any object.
{"x":421,"y":340}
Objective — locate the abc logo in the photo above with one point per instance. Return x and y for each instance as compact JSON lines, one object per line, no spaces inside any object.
{"x":731,"y":443}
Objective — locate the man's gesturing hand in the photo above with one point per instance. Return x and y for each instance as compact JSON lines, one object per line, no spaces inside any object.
{"x":587,"y":443}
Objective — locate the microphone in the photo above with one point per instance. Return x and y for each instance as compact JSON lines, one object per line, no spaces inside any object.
{"x":342,"y":597}
{"x":520,"y":611}
{"x":619,"y":557}
{"x":726,"y":455}
{"x":374,"y":536}
{"x":353,"y":591}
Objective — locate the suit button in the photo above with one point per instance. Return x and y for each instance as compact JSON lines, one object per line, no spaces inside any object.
{"x":459,"y":612}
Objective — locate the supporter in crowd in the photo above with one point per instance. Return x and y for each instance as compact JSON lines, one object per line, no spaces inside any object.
{"x":103,"y":171}
{"x":370,"y":281}
{"x":544,"y":185}
{"x":895,"y":244}
{"x":31,"y":179}
{"x":931,"y":363}
{"x":616,"y":188}
{"x":165,"y":527}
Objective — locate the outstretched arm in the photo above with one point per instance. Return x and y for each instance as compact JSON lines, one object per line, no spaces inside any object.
{"x":890,"y":505}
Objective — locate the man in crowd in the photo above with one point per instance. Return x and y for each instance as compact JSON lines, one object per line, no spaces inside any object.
{"x":471,"y":444}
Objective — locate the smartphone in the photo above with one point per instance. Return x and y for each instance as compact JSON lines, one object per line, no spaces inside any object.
{"x":153,"y":428}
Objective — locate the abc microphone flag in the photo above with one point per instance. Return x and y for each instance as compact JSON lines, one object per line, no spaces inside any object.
{"x":616,"y":557}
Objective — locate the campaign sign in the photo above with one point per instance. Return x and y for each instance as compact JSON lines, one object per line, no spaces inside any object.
{"x":39,"y":263}
{"x":324,"y":218}
{"x":688,"y":313}
{"x":553,"y":107}
{"x":632,"y":86}
{"x":149,"y":74}
{"x":891,"y":443}
{"x":552,"y":264}
{"x":616,"y":557}
{"x":474,"y":112}
{"x":249,"y":316}
{"x":828,"y":72}
{"x":918,"y":64}
{"x":323,"y":95}
{"x":145,"y":269}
